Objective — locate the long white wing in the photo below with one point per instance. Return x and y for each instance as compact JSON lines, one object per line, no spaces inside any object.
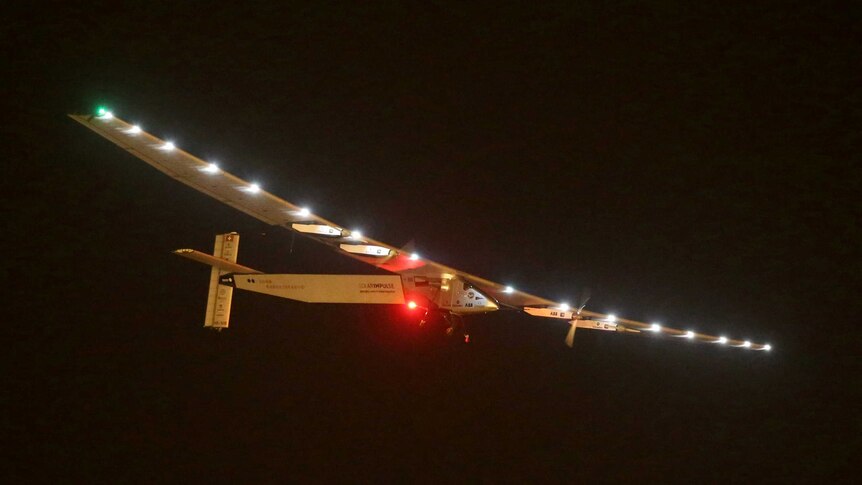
{"x":273,"y":210}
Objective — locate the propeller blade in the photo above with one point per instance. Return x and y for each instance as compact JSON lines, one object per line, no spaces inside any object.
{"x":570,"y":337}
{"x":583,"y":299}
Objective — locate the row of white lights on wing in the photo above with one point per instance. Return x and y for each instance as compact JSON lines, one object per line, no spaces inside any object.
{"x":213,"y":168}
{"x":169,"y":146}
{"x":655,"y":327}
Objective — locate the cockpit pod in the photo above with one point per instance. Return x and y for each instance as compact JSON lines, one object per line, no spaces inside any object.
{"x":464,"y":297}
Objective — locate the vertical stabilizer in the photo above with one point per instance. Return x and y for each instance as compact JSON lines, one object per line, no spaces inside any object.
{"x":218,"y":301}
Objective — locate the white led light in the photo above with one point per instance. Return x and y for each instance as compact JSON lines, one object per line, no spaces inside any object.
{"x":508,"y":289}
{"x":134,"y":130}
{"x":211,"y":168}
{"x":722,"y":340}
{"x":304,"y":212}
{"x":689,"y":334}
{"x":414,"y":257}
{"x":355,"y":234}
{"x":254,"y":188}
{"x":611,"y":318}
{"x":106,"y":115}
{"x":767,"y":347}
{"x":564,"y":307}
{"x":746,"y":344}
{"x":168,"y":146}
{"x":655,"y":327}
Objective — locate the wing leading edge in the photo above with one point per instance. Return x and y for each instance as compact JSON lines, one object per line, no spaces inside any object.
{"x":271,"y":209}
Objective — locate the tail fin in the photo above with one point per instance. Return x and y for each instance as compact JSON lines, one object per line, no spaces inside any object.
{"x":218,"y":302}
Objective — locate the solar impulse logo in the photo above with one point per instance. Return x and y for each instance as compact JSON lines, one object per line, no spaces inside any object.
{"x":377,"y":286}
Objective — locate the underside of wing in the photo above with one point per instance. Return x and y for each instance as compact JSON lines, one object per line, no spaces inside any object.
{"x":264,"y":206}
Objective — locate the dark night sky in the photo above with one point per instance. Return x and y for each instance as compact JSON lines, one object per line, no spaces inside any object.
{"x":692,"y":164}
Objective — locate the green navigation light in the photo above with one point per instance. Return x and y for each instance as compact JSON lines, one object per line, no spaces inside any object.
{"x":103,"y":113}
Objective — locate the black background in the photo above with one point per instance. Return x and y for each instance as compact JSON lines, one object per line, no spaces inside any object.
{"x":692,"y":164}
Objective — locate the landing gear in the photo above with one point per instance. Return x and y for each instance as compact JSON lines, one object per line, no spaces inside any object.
{"x":454,"y":323}
{"x":456,"y":326}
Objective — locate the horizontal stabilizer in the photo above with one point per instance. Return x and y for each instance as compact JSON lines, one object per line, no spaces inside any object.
{"x":222,"y":264}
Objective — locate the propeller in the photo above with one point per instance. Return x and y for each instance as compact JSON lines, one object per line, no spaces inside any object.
{"x":570,"y":337}
{"x":573,"y":325}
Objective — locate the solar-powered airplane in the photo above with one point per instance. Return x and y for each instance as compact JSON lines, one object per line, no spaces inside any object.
{"x":415,"y":281}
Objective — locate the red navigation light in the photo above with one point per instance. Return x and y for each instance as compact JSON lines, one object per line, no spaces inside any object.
{"x":411,"y":305}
